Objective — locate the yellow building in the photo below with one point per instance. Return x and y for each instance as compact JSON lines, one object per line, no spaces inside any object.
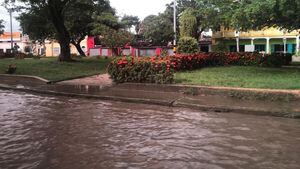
{"x":270,"y":40}
{"x":52,"y":48}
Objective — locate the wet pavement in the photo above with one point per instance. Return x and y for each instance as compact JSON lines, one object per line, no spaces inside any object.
{"x":41,"y":132}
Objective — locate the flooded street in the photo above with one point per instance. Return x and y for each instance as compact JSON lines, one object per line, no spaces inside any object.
{"x":47,"y":132}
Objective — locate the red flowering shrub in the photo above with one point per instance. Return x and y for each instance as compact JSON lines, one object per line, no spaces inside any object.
{"x":161,"y":69}
{"x":141,"y":70}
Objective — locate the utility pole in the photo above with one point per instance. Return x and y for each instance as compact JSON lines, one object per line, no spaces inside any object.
{"x":11,"y":30}
{"x":175,"y":24}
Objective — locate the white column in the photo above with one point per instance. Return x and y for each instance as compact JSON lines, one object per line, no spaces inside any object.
{"x":252,"y":41}
{"x":297,"y":44}
{"x":268,"y":45}
{"x":237,"y":44}
{"x":284,"y":45}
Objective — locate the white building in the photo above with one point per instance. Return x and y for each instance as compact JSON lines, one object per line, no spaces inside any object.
{"x":21,"y":40}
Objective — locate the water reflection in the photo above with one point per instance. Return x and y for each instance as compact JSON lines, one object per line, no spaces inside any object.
{"x":67,"y":133}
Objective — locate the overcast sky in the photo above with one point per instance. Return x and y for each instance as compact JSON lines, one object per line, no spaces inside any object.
{"x":140,"y":8}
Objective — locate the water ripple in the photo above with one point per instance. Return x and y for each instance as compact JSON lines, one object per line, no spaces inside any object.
{"x":63,"y":133}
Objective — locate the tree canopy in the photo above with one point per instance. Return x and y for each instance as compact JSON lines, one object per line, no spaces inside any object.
{"x":188,"y":23}
{"x":113,"y":32}
{"x":157,"y":29}
{"x":257,"y":14}
{"x":67,"y":21}
{"x":129,"y":21}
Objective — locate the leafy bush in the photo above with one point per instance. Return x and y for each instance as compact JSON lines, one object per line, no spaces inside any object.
{"x":11,"y":69}
{"x":276,"y":60}
{"x":6,"y":55}
{"x":187,"y":45}
{"x":141,"y":70}
{"x":161,"y":69}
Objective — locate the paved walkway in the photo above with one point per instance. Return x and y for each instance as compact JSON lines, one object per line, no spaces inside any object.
{"x":276,"y":103}
{"x":98,"y":80}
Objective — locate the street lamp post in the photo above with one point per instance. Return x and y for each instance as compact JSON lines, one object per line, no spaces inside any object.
{"x":11,"y":30}
{"x":175,"y":25}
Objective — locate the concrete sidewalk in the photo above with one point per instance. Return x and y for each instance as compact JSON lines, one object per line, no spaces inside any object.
{"x":283,"y":103}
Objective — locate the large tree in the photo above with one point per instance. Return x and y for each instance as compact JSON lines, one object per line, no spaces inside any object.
{"x":257,"y":14}
{"x":129,"y":21}
{"x":68,"y":21}
{"x":157,"y":29}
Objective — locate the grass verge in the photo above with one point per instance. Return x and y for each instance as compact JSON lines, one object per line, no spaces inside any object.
{"x":247,"y":77}
{"x":51,"y":69}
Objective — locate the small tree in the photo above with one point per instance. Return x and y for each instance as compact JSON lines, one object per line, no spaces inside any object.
{"x":188,"y":23}
{"x":115,"y":38}
{"x":188,"y":45}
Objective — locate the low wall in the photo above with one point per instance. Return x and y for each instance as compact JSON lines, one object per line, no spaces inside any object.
{"x":127,"y":51}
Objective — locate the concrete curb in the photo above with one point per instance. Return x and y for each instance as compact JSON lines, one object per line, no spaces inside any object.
{"x":240,"y":110}
{"x":280,"y":91}
{"x":242,"y":93}
{"x":89,"y":96}
{"x":25,"y":76}
{"x":175,"y":103}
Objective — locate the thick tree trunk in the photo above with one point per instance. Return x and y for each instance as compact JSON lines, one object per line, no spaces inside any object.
{"x":79,"y":49}
{"x":65,"y":51}
{"x":62,"y":32}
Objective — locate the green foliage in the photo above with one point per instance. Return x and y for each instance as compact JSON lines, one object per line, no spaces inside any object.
{"x":220,"y":47}
{"x":277,"y":60}
{"x":188,"y":45}
{"x":115,"y":38}
{"x":188,"y":23}
{"x":67,"y":21}
{"x":257,"y":14}
{"x":128,"y":21}
{"x":157,"y":30}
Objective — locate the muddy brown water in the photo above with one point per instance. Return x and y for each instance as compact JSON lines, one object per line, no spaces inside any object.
{"x":41,"y":132}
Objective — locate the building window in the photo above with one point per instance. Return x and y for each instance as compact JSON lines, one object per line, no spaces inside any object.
{"x":56,"y":51}
{"x":232,"y":48}
{"x":8,"y":51}
{"x":278,"y":48}
{"x":204,"y":48}
{"x":260,"y":48}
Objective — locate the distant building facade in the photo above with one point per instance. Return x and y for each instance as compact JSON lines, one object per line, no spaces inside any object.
{"x":21,"y":40}
{"x":269,"y":40}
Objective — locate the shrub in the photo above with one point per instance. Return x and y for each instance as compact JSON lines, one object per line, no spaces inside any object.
{"x":161,"y":69}
{"x":187,"y":45}
{"x":288,"y":59}
{"x":6,"y":55}
{"x":20,"y":56}
{"x":11,"y":69}
{"x":276,"y":60}
{"x":141,"y":70}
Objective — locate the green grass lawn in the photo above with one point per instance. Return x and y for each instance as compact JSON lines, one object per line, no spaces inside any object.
{"x":52,"y":70}
{"x":247,"y":77}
